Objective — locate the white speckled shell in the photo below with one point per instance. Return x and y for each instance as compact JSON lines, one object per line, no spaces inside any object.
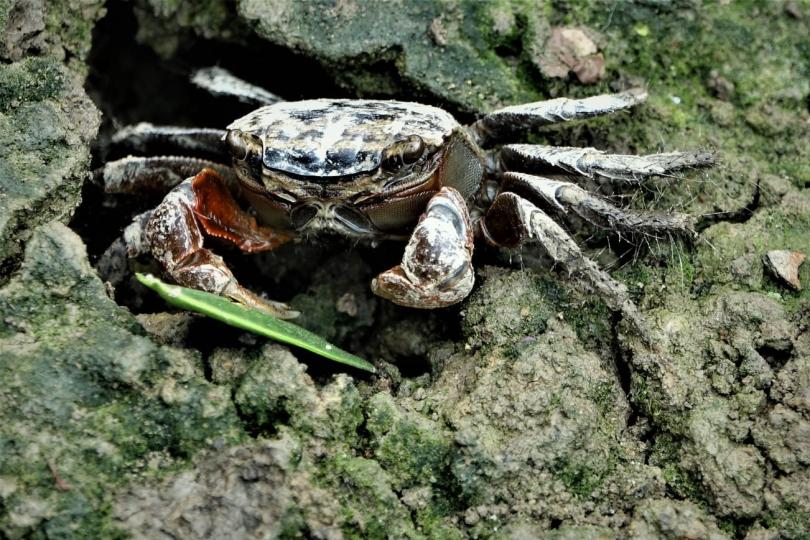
{"x":340,"y":137}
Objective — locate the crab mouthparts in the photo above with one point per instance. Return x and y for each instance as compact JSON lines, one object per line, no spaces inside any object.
{"x":338,"y":217}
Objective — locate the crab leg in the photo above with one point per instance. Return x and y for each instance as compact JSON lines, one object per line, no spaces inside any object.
{"x":154,"y":174}
{"x":513,"y":220}
{"x":509,"y":120}
{"x":595,"y":163}
{"x":220,"y":82}
{"x":147,"y":138}
{"x":436,"y":269}
{"x":566,"y":196}
{"x":112,"y":265}
{"x":198,"y":207}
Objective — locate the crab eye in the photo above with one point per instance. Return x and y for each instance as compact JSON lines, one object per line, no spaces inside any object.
{"x":405,"y":151}
{"x":242,"y":144}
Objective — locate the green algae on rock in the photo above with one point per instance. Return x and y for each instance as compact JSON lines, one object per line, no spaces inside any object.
{"x":46,"y":119}
{"x":307,"y":471}
{"x":46,"y":124}
{"x":85,"y":395}
{"x":540,"y":417}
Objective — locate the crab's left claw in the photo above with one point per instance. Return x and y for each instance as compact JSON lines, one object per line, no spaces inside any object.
{"x":203,"y":207}
{"x":436,"y":270}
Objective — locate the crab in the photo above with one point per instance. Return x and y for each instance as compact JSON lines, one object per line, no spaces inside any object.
{"x":380,"y":169}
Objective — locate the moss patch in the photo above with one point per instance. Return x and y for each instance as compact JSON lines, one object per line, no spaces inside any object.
{"x":88,"y":402}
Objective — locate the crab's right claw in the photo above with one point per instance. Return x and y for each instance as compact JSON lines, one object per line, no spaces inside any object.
{"x":436,"y":270}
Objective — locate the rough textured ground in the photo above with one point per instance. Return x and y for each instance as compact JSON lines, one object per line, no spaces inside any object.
{"x":530,"y":411}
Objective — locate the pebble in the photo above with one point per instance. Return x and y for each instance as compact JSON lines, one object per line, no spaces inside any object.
{"x":784,"y":264}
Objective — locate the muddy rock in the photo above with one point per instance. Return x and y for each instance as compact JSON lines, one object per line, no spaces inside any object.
{"x":167,"y":328}
{"x":251,"y":491}
{"x":502,"y":315}
{"x":720,"y":445}
{"x":784,"y":265}
{"x":86,"y":397}
{"x":60,"y":29}
{"x":46,"y":119}
{"x":24,"y":26}
{"x":660,"y":518}
{"x":569,"y":50}
{"x":530,"y":410}
{"x":539,"y":423}
{"x":275,"y":385}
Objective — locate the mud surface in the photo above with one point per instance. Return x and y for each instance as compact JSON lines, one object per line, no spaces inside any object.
{"x":528,"y":411}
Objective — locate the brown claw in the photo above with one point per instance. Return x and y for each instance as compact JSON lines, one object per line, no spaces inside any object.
{"x":202,"y":207}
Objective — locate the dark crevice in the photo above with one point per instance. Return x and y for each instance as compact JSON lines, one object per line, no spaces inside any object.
{"x":198,"y":337}
{"x":11,"y":264}
{"x":263,"y":425}
{"x":208,"y":372}
{"x":322,"y":371}
{"x":414,"y":367}
{"x":129,"y":79}
{"x":364,"y":438}
{"x":256,"y":427}
{"x":749,"y":440}
{"x":621,"y":367}
{"x":737,"y":527}
{"x":776,"y":355}
{"x":735,"y":216}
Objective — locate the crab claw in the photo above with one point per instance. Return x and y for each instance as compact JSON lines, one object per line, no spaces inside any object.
{"x":202,"y":207}
{"x":436,"y":269}
{"x":280,"y":310}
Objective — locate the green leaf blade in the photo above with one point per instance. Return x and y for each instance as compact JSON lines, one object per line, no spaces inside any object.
{"x":252,"y":320}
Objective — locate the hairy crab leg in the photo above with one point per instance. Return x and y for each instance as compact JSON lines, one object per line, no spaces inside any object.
{"x":436,"y":269}
{"x":221,"y":82}
{"x":147,"y":138}
{"x":566,"y":196}
{"x":502,"y":123}
{"x":513,"y":220}
{"x":112,"y":266}
{"x":143,"y":175}
{"x":199,"y":207}
{"x":594,"y":163}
